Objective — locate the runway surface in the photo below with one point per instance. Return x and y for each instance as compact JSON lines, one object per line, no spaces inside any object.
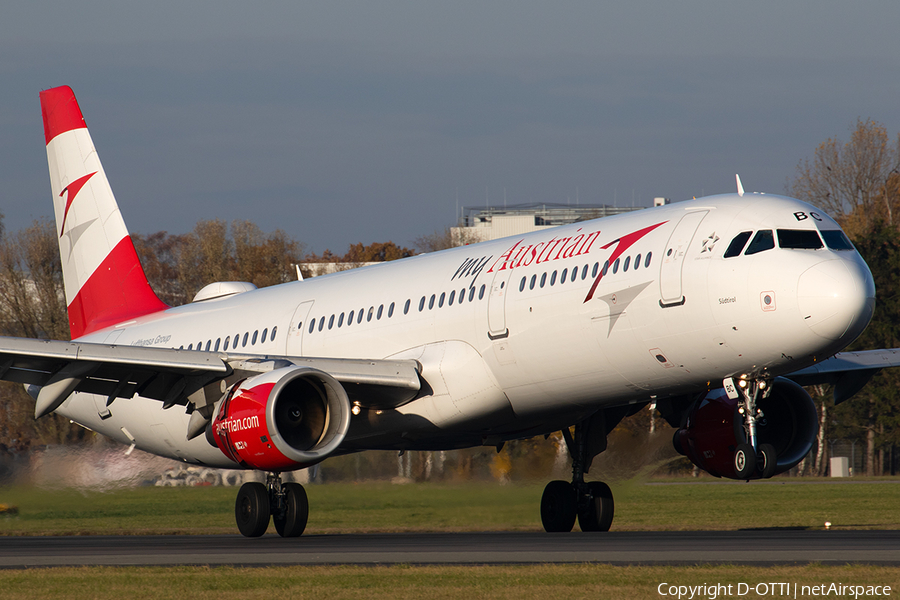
{"x":736,"y":547}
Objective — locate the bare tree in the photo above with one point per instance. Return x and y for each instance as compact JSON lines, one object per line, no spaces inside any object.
{"x":442,"y":239}
{"x":856,"y":182}
{"x":32,"y":304}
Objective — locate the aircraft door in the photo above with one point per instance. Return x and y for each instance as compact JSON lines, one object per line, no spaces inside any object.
{"x":497,"y":305}
{"x":294,"y":338}
{"x":670,"y":274}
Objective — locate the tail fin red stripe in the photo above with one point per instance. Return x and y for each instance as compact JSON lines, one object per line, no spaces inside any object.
{"x":117,"y":291}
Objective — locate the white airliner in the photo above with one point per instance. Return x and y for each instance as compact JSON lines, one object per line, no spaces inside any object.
{"x":701,"y":306}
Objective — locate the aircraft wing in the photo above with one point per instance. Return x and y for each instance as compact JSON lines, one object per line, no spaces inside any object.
{"x":178,"y":376}
{"x":847,"y":371}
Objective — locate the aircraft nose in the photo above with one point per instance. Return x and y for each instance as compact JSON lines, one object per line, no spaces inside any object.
{"x":837,"y":298}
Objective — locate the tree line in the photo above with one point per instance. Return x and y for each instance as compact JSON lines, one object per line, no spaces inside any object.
{"x":857,"y":182}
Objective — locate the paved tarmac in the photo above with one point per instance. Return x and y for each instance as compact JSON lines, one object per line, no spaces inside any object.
{"x":760,"y":547}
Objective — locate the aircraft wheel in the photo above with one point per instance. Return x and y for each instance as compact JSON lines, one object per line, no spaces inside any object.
{"x":598,"y":515}
{"x":744,"y":461}
{"x":292,"y":521}
{"x":558,"y":506}
{"x":766,"y":460}
{"x":251,"y":509}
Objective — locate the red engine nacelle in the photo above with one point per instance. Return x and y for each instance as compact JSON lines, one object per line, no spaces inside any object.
{"x":714,"y":429}
{"x":283,"y":420}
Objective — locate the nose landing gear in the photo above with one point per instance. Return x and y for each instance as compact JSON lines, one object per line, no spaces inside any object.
{"x":285,"y":503}
{"x":753,"y":458}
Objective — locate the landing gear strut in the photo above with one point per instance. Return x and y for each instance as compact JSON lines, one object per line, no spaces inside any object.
{"x":751,"y":457}
{"x":285,"y":503}
{"x":590,"y":502}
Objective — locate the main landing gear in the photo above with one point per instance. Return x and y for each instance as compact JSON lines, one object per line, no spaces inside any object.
{"x":285,"y":503}
{"x":590,"y":502}
{"x":752,"y":458}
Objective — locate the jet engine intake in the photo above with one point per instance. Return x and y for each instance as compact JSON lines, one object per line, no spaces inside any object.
{"x":715,"y":428}
{"x":282,"y":420}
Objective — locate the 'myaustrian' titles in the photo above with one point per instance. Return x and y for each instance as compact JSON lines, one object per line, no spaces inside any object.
{"x":520,"y":255}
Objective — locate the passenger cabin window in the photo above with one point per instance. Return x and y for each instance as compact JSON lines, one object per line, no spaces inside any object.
{"x":737,"y":244}
{"x":799,"y":239}
{"x":274,"y":330}
{"x":836,"y":240}
{"x":762,"y":241}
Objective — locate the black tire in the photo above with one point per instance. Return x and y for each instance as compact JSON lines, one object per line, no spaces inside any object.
{"x":292,"y":521}
{"x":558,"y":507}
{"x":766,"y":460}
{"x":599,"y":516}
{"x":251,"y":509}
{"x":744,"y":461}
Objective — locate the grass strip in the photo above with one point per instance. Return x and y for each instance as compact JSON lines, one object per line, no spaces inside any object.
{"x":382,"y":507}
{"x":400,"y":582}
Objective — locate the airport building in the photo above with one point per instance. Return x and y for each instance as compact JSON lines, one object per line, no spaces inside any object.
{"x":480,"y":224}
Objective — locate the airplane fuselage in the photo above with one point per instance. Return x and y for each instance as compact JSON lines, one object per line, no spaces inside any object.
{"x":528,"y":334}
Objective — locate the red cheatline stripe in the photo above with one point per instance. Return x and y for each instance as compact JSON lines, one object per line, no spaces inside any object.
{"x":60,"y":111}
{"x":115,"y":292}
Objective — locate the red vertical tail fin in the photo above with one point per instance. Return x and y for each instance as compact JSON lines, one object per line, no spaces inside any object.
{"x":104,"y":281}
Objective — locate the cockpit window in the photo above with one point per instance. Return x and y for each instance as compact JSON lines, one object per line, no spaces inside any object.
{"x":804,"y":239}
{"x":763,"y":240}
{"x":737,"y":244}
{"x":836,"y":240}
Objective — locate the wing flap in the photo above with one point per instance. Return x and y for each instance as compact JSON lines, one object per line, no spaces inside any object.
{"x":182,"y":376}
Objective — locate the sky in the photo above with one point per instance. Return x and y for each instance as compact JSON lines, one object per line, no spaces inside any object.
{"x":344,"y":122}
